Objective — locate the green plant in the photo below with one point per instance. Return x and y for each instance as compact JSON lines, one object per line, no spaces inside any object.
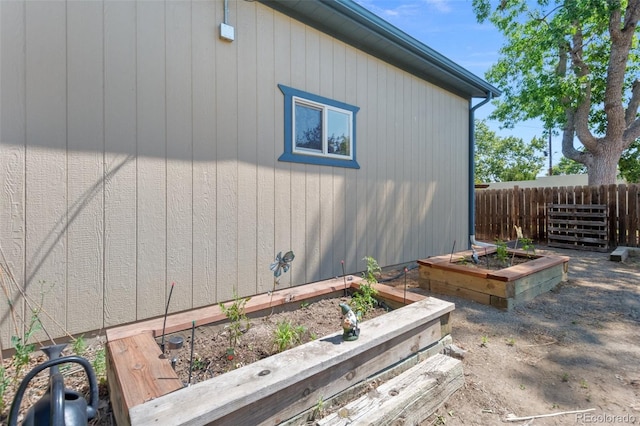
{"x":584,"y":384}
{"x":318,"y":409}
{"x":364,"y":299}
{"x":304,"y":305}
{"x":79,"y":345}
{"x":511,"y":341}
{"x":501,"y":251}
{"x":287,"y":335}
{"x":99,"y":365}
{"x":527,"y":245}
{"x":522,"y":387}
{"x":238,"y":321}
{"x":5,"y":382}
{"x":565,"y":377}
{"x":23,"y":349}
{"x":198,"y":363}
{"x":484,"y":341}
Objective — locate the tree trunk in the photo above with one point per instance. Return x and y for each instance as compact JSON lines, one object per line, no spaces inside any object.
{"x":603,"y":170}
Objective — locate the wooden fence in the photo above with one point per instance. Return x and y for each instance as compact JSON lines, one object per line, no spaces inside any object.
{"x":498,"y":210}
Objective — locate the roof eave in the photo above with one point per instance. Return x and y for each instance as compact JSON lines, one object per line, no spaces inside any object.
{"x":360,"y":28}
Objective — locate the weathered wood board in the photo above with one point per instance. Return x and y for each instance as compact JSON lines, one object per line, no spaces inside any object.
{"x":136,"y":373}
{"x":503,"y":289}
{"x":283,"y":385}
{"x":408,"y":398}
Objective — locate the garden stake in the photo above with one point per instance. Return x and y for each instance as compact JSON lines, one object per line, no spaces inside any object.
{"x":405,"y":285}
{"x":452,"y":249}
{"x":164,"y":323}
{"x":193,"y":331}
{"x":344,"y":277}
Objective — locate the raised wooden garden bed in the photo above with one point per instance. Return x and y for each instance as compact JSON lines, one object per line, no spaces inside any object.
{"x":502,"y":288}
{"x":145,"y":390}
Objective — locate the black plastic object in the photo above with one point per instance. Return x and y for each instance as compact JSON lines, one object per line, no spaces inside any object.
{"x":58,"y":406}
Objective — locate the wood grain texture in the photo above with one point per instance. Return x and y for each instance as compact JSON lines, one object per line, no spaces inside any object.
{"x":205,"y":234}
{"x":290,"y":386}
{"x":85,"y":182}
{"x":179,"y":128}
{"x":46,"y":217}
{"x":12,"y":165}
{"x":151,"y":171}
{"x":149,"y":147}
{"x":120,"y":236}
{"x":408,"y":398}
{"x":135,"y":379}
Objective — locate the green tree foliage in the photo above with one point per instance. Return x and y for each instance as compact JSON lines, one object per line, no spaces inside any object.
{"x":568,"y":167}
{"x":630,"y":163}
{"x":499,"y":159}
{"x":573,"y":64}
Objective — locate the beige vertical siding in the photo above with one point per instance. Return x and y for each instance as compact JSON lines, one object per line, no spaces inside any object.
{"x":138,"y":149}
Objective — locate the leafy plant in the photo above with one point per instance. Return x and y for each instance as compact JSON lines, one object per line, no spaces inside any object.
{"x":364,"y":299}
{"x":501,"y":251}
{"x":23,"y":349}
{"x":99,"y":365}
{"x":5,"y":382}
{"x":527,"y":245}
{"x":484,"y":341}
{"x":318,"y":409}
{"x":198,"y":363}
{"x":511,"y":341}
{"x":79,"y":345}
{"x":238,"y":321}
{"x":286,"y":335}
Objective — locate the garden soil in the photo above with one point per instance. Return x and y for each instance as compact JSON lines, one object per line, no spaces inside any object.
{"x":575,"y":348}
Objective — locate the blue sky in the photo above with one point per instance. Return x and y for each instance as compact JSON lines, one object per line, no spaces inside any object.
{"x":450,"y":28}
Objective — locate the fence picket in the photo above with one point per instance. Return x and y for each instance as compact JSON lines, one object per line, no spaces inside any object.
{"x":497,"y":210}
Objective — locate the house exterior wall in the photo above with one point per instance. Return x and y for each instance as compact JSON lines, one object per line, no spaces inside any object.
{"x":138,"y":149}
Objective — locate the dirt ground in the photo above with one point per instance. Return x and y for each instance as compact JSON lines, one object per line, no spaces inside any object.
{"x":574,"y":348}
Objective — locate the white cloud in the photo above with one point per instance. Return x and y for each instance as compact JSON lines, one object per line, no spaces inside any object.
{"x":439,"y":5}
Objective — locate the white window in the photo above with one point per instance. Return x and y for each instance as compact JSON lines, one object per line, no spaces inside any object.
{"x":318,"y":130}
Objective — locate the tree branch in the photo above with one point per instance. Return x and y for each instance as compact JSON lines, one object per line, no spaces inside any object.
{"x":580,"y":119}
{"x":634,"y":102}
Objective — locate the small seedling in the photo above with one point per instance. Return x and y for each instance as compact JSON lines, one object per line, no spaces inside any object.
{"x":511,"y":341}
{"x":501,"y":251}
{"x":238,"y":321}
{"x":364,"y":299}
{"x":318,"y":409}
{"x":565,"y":377}
{"x":484,"y":341}
{"x":79,"y":345}
{"x":99,"y":365}
{"x":5,"y":382}
{"x":304,"y":305}
{"x":522,"y":387}
{"x":198,"y":363}
{"x":287,"y":336}
{"x":584,"y":384}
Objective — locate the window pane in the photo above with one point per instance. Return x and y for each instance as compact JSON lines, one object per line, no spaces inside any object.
{"x":308,"y":127}
{"x":339,"y":133}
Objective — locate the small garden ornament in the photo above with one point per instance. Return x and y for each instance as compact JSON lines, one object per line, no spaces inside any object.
{"x":350,"y":328}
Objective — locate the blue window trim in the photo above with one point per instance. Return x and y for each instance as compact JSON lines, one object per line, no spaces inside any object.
{"x":295,"y":157}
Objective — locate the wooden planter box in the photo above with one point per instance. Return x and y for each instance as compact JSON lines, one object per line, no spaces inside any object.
{"x":503,"y":288}
{"x":145,"y":390}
